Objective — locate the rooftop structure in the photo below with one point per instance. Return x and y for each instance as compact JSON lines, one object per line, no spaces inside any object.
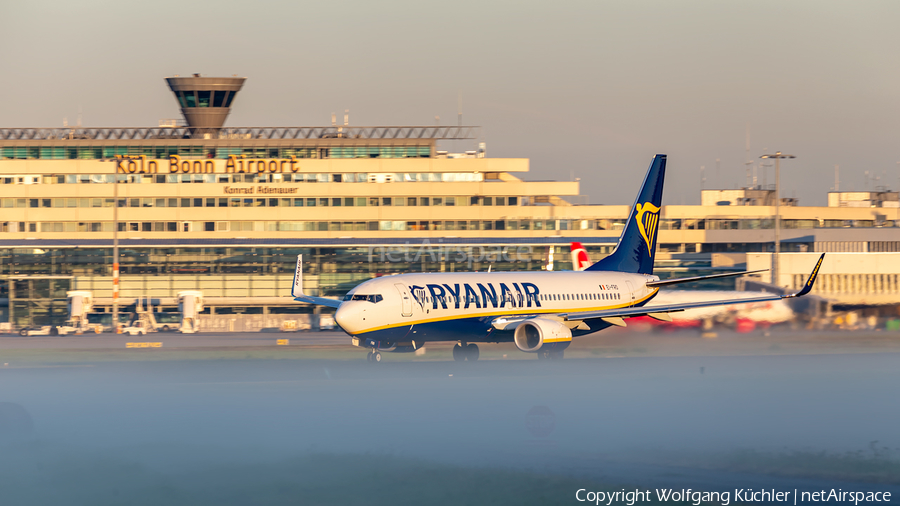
{"x":205,"y":101}
{"x":756,"y":196}
{"x":878,"y":198}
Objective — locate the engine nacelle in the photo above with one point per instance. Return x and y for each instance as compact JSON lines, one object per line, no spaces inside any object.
{"x":532,"y":334}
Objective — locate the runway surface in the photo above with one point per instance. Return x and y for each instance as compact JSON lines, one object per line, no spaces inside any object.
{"x":173,"y":340}
{"x":667,"y":421}
{"x":608,"y":343}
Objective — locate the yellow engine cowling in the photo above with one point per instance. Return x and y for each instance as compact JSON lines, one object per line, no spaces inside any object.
{"x":533,"y":334}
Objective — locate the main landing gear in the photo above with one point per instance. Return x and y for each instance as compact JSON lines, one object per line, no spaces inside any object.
{"x":373,"y":356}
{"x":550,"y":355}
{"x":463,"y":351}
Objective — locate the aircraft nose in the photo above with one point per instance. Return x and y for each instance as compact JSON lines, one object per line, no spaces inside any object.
{"x":347,"y":316}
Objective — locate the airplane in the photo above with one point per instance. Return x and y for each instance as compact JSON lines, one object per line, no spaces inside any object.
{"x":746,"y":316}
{"x":539,"y":311}
{"x":580,"y":259}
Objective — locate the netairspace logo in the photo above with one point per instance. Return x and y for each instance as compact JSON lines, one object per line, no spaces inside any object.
{"x":428,"y":252}
{"x":741,"y":495}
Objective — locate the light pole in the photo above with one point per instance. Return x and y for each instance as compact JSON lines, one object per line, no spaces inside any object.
{"x":777,"y":156}
{"x":115,"y":287}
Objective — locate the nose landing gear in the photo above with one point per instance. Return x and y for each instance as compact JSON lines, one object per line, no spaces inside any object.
{"x":463,"y":351}
{"x":373,"y":356}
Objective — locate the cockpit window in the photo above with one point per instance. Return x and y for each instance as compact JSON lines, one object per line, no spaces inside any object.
{"x":374,"y":299}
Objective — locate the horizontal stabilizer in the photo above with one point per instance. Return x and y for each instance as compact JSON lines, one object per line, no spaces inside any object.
{"x":664,"y":282}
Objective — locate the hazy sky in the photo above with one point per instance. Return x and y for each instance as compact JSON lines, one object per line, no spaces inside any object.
{"x":591,"y":88}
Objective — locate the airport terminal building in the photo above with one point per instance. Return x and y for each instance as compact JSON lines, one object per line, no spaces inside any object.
{"x":223,"y":210}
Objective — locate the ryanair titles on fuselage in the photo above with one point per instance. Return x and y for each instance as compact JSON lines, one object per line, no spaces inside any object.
{"x":480,"y":295}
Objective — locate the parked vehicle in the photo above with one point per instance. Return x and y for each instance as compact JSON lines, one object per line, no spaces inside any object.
{"x":135,"y":330}
{"x":102,"y":322}
{"x":167,"y":322}
{"x":326,"y":322}
{"x":43,"y":330}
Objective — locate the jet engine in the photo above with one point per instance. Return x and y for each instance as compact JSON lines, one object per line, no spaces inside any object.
{"x":532,"y":334}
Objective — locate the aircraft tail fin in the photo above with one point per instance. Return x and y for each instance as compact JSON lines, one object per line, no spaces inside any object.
{"x":637,"y":245}
{"x":580,"y":259}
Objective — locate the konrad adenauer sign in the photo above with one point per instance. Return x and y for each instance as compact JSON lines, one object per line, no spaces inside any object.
{"x":259,"y":190}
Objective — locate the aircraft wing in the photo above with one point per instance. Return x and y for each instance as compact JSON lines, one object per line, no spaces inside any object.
{"x":318,"y":301}
{"x":664,"y":282}
{"x":615,"y":316}
{"x":297,"y":289}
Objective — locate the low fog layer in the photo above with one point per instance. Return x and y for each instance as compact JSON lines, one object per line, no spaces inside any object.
{"x":562,"y":417}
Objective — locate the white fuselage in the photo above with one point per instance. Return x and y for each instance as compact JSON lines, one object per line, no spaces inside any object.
{"x":404,"y":301}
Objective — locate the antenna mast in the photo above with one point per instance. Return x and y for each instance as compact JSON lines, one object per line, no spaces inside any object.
{"x":749,"y":163}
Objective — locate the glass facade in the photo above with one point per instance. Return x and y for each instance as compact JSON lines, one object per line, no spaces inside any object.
{"x":334,"y":267}
{"x":353,"y":177}
{"x":204,"y":98}
{"x":36,"y":279}
{"x":163,"y":152}
{"x":170,"y":202}
{"x":170,"y":227}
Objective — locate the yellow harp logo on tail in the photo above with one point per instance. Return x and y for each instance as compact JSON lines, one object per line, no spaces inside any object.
{"x":647,"y":218}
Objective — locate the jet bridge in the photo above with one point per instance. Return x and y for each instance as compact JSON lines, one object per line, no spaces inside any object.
{"x":79,"y":304}
{"x":190,"y":304}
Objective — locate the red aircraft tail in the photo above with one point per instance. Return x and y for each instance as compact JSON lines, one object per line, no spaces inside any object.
{"x":580,"y":259}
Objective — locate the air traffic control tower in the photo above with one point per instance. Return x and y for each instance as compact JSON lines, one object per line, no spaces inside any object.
{"x":205,"y":101}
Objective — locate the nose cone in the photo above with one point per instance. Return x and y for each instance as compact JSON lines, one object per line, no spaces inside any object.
{"x":349,"y":317}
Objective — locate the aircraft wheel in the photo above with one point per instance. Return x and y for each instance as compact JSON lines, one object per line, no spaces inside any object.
{"x":556,"y":355}
{"x":376,"y":357}
{"x":459,"y":353}
{"x":369,"y":356}
{"x":543,"y":355}
{"x":472,"y":352}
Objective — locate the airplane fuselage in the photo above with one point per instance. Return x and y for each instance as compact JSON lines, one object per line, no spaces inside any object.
{"x":464,"y":306}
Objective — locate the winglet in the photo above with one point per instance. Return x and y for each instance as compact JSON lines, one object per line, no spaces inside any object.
{"x":809,"y":282}
{"x":297,"y":287}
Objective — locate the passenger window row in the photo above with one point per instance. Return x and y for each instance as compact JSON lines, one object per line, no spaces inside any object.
{"x":449,"y":299}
